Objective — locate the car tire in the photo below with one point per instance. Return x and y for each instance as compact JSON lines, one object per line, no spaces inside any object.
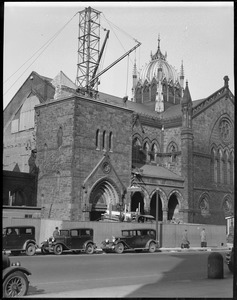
{"x":15,"y":285}
{"x":89,"y":248}
{"x":119,"y":248}
{"x":152,"y":247}
{"x":58,"y":249}
{"x":30,"y":249}
{"x":43,"y":250}
{"x":15,"y":253}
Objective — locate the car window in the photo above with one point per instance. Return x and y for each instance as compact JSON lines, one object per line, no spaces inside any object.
{"x":85,"y":232}
{"x":139,"y":232}
{"x":144,"y":232}
{"x":12,"y":231}
{"x":125,"y":233}
{"x":64,"y":232}
{"x":152,"y":233}
{"x":74,"y":232}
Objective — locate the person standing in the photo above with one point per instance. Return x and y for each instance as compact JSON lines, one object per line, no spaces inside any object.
{"x":56,"y":232}
{"x":203,"y":238}
{"x":185,"y":241}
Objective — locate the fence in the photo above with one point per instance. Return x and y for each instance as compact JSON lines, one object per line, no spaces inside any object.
{"x":170,"y":235}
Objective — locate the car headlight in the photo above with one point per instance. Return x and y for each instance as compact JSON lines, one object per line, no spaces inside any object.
{"x":16,"y":264}
{"x":113,"y":239}
{"x":107,"y":241}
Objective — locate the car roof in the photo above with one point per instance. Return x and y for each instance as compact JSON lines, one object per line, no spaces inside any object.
{"x":21,"y":226}
{"x":76,"y":228}
{"x":138,"y":229}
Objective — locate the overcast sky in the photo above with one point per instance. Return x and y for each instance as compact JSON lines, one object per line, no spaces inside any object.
{"x":199,"y":33}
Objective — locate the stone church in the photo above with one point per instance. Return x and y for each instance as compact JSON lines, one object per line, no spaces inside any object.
{"x":95,"y":152}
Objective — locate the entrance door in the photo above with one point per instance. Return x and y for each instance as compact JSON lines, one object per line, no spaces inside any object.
{"x":153,"y":207}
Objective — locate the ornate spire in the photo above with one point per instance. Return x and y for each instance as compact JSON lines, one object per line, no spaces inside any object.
{"x":158,"y":53}
{"x":182,"y":70}
{"x":135,"y":68}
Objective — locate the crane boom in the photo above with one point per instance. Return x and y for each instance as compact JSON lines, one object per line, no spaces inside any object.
{"x":114,"y":63}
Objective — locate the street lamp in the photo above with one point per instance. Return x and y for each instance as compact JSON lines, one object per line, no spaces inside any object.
{"x":157,"y":215}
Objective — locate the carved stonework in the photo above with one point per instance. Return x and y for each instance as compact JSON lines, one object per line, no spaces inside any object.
{"x":204,"y":206}
{"x":225,"y":130}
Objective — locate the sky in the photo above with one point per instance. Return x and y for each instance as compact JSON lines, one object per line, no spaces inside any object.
{"x":43,"y":37}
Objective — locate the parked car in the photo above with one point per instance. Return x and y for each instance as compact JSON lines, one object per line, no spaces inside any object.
{"x":145,"y":219}
{"x":15,"y":281}
{"x":19,"y":239}
{"x":132,"y":239}
{"x":230,"y":260}
{"x":75,"y":240}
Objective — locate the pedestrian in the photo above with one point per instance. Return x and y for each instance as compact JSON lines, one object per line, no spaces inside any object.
{"x":185,"y":241}
{"x":203,"y":238}
{"x":56,"y":232}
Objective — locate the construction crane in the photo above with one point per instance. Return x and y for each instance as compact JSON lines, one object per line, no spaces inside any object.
{"x":89,"y":55}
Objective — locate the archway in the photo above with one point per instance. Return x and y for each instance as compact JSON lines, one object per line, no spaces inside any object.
{"x":104,"y":195}
{"x":153,"y":207}
{"x":173,"y":207}
{"x":137,"y":201}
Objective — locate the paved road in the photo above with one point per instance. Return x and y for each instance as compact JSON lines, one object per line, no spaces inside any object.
{"x":126,"y":275}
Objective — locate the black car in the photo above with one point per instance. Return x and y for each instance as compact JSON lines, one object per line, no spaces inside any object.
{"x":230,"y":260}
{"x":75,"y":240}
{"x":132,"y":239}
{"x":19,"y":239}
{"x":15,"y":281}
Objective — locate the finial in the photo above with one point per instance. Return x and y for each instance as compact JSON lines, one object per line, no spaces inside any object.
{"x":226,"y":80}
{"x":186,"y":83}
{"x":158,"y":41}
{"x":182,"y":69}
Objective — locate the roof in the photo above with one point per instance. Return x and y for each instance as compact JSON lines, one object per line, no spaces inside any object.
{"x":158,"y":172}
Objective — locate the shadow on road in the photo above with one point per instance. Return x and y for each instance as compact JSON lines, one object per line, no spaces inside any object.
{"x":188,"y":279}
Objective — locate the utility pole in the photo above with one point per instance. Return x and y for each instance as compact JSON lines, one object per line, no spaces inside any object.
{"x":157,"y":216}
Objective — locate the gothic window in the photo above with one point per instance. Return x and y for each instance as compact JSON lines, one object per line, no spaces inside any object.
{"x":136,"y":146}
{"x":154,"y":151}
{"x":146,"y":150}
{"x":172,"y":151}
{"x":220,"y":167}
{"x":104,"y":140}
{"x":227,"y":207}
{"x":110,"y":141}
{"x":225,"y":130}
{"x":225,"y":161}
{"x":213,"y":166}
{"x":204,"y":205}
{"x":97,"y":139}
{"x":27,"y":114}
{"x":231,"y":168}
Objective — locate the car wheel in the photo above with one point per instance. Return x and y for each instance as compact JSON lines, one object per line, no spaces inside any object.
{"x":89,"y":249}
{"x":152,"y":247}
{"x":58,"y":249}
{"x":30,"y":249}
{"x":43,"y":250}
{"x":15,"y":285}
{"x":119,"y":248}
{"x":15,"y":253}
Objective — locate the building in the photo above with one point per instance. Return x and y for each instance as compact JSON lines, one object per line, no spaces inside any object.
{"x":94,"y":152}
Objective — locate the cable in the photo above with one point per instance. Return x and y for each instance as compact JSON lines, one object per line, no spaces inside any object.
{"x":46,"y":46}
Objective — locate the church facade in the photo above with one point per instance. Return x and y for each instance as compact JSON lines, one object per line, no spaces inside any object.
{"x":99,"y":152}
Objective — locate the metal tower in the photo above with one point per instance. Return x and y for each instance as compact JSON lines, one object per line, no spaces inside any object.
{"x":88,"y":46}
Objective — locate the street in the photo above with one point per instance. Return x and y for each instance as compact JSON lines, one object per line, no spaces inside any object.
{"x":127,"y":275}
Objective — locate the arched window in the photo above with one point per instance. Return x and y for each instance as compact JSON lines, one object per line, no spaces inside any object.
{"x":172,"y":150}
{"x":146,"y":150}
{"x":27,"y":114}
{"x":104,"y":140}
{"x":213,"y":158}
{"x":154,"y":151}
{"x":110,"y":141}
{"x":97,"y":139}
{"x":220,"y":167}
{"x":225,"y":161}
{"x":231,"y":168}
{"x":136,"y":146}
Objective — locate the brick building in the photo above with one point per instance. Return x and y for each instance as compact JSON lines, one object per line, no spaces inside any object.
{"x":97,"y":152}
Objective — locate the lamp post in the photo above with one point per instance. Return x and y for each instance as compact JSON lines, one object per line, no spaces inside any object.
{"x":157,"y":215}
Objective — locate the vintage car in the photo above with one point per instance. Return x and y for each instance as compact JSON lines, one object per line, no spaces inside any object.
{"x":15,"y":281}
{"x":132,"y":239}
{"x":19,"y":239}
{"x":230,"y":260}
{"x":75,"y":240}
{"x":145,"y":219}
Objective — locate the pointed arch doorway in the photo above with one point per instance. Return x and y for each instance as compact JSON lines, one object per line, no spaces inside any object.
{"x":137,"y":202}
{"x":104,"y":196}
{"x":153,"y":207}
{"x":173,"y":207}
